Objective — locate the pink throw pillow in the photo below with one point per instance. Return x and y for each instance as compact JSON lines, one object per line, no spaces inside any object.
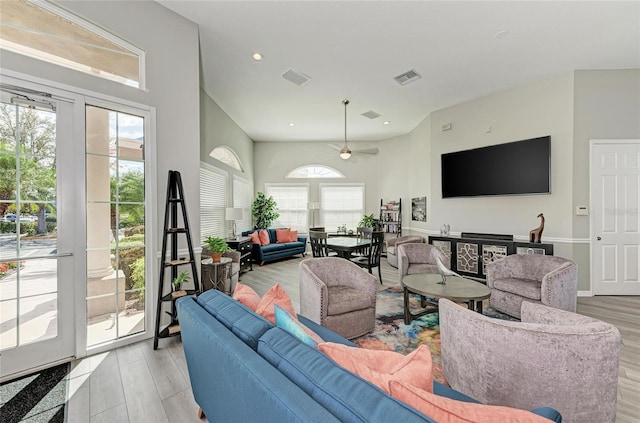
{"x":293,"y":236}
{"x":382,"y":367}
{"x":264,"y":237}
{"x":276,"y":295}
{"x":283,"y":235}
{"x":255,"y":238}
{"x":447,"y":410}
{"x":246,"y":295}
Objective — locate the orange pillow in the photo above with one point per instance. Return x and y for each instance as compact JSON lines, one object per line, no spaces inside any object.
{"x":264,"y":237}
{"x":447,"y":410}
{"x":246,"y":295}
{"x":276,"y":295}
{"x":382,"y":367}
{"x":283,"y":235}
{"x":255,"y":238}
{"x":293,"y":236}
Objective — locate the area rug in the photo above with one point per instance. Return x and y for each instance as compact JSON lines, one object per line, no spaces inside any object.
{"x":35,"y":398}
{"x":392,"y":334}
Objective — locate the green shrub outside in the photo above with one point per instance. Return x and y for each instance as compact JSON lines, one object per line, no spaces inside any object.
{"x":28,"y":228}
{"x":137,"y":276}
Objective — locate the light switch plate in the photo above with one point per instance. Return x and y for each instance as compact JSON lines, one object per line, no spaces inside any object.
{"x":582,"y":211}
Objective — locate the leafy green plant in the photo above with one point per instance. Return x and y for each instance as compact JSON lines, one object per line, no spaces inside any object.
{"x":181,"y":278}
{"x":264,"y":211}
{"x":368,"y":221}
{"x":216,"y":245}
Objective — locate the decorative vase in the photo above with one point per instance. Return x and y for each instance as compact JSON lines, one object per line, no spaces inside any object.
{"x":216,"y":257}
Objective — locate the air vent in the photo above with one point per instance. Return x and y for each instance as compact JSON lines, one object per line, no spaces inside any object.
{"x":371,"y":114}
{"x":296,"y":77}
{"x":407,"y":77}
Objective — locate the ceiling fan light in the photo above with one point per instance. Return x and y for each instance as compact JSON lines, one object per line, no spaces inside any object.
{"x":345,"y":153}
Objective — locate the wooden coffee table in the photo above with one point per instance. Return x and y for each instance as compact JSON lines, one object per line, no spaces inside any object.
{"x":456,"y":289}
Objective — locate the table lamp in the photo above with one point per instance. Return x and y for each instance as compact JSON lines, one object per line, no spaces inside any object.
{"x":234,"y":214}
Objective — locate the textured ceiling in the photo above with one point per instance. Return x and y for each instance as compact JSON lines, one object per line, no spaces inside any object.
{"x":352,"y":50}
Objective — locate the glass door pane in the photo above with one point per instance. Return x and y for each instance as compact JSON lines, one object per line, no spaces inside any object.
{"x":115,"y":224}
{"x":34,"y":302}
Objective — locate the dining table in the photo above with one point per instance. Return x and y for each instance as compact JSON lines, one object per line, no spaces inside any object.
{"x":346,"y":246}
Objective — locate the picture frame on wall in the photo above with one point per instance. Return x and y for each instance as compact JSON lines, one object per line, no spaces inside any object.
{"x":419,"y":209}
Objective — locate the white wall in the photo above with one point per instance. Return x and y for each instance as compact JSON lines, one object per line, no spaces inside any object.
{"x":172,"y":72}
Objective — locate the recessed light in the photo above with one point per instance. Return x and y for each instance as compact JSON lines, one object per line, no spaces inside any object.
{"x":386,"y":122}
{"x":256,"y":56}
{"x":292,"y":124}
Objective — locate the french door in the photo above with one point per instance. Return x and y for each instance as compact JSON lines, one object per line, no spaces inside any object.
{"x":36,"y":231}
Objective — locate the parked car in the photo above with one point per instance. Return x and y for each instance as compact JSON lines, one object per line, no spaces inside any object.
{"x":10,"y":217}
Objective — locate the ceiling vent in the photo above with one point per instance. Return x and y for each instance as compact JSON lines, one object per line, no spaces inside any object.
{"x":407,"y":77}
{"x":296,"y":77}
{"x":371,"y":114}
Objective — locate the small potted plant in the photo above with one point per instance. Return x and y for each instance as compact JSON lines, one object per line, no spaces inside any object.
{"x":368,"y":221}
{"x":216,"y":247}
{"x":182,"y":277}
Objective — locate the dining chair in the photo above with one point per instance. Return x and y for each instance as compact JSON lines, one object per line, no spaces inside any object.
{"x":372,"y":255}
{"x":318,"y":242}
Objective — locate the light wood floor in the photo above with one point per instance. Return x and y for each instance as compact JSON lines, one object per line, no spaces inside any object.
{"x":136,"y":384}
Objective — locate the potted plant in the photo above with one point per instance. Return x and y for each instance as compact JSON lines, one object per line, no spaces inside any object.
{"x":368,"y":221}
{"x":264,"y":211}
{"x":216,"y":247}
{"x":177,"y":284}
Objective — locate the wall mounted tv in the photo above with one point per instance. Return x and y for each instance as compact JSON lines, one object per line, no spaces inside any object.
{"x":520,"y":167}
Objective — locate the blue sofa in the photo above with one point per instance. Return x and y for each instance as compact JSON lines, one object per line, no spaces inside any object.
{"x":274,"y":250}
{"x":243,"y":369}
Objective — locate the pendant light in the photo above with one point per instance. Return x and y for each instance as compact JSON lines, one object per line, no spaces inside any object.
{"x":345,"y":153}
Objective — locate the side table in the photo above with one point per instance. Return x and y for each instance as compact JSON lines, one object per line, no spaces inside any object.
{"x":242,"y":244}
{"x":214,"y":274}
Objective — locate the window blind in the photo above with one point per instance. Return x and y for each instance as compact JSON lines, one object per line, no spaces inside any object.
{"x":213,"y":195}
{"x":242,"y":198}
{"x":292,"y":205}
{"x":341,"y":205}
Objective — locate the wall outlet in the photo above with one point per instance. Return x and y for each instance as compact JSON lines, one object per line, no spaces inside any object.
{"x":446,"y":126}
{"x":582,"y":211}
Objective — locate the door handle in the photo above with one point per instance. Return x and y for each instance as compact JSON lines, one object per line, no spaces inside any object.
{"x":598,"y":238}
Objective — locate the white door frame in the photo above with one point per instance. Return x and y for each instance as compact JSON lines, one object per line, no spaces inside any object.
{"x":593,"y":235}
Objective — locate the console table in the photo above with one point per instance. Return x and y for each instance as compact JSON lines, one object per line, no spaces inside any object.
{"x":471,"y":252}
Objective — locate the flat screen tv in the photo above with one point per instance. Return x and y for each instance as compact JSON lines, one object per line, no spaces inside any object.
{"x":520,"y":167}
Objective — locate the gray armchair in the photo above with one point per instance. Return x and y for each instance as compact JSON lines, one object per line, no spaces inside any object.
{"x":394,"y":243}
{"x":419,"y":258}
{"x":551,"y":358}
{"x":339,"y":295}
{"x":548,"y":280}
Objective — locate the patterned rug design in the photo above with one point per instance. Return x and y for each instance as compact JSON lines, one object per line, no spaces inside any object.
{"x":392,"y":334}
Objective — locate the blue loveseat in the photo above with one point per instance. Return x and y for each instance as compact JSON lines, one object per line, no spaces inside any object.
{"x":243,"y":369}
{"x":275,"y":250}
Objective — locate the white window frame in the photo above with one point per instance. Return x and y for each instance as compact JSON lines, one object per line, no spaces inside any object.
{"x":331,"y":223}
{"x":301,"y":224}
{"x":212,"y":204}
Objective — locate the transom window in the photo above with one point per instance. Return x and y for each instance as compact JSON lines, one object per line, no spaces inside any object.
{"x":47,"y":32}
{"x":227,"y":156}
{"x":314,"y":171}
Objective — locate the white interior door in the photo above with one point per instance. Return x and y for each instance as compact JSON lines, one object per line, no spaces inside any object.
{"x":615,"y":219}
{"x":36,"y":232}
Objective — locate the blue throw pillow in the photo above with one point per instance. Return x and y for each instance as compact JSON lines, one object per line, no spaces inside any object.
{"x":286,"y":322}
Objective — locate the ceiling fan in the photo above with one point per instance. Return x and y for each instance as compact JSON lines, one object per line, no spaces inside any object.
{"x":345,"y":151}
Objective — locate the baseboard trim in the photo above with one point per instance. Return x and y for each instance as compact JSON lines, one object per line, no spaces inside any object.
{"x":588,"y":293}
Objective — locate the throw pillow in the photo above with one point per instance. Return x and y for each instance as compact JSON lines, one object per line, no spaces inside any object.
{"x":382,"y":367}
{"x":276,"y":295}
{"x":293,"y":236}
{"x":246,"y":295}
{"x":255,"y":237}
{"x":442,"y":409}
{"x":283,"y":235}
{"x":264,"y":237}
{"x":291,"y":325}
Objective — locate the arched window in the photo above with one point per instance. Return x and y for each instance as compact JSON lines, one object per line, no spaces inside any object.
{"x":227,"y":156}
{"x":314,"y":171}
